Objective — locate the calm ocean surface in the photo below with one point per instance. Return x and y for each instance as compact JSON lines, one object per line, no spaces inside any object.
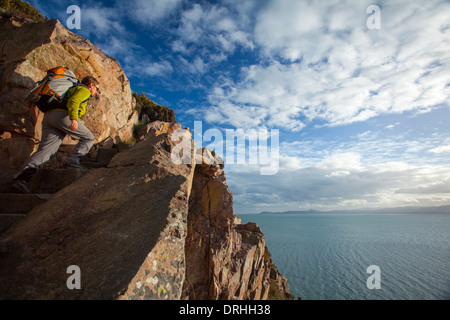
{"x":326,"y":256}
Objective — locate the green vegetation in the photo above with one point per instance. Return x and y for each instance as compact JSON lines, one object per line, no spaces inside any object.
{"x":114,"y":59}
{"x":136,"y":128}
{"x":150,"y":111}
{"x":154,"y":111}
{"x":20,"y":9}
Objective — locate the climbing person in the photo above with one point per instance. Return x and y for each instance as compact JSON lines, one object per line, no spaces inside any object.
{"x":62,"y":119}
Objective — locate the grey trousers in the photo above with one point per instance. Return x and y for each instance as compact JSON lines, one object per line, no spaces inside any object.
{"x":55,"y":126}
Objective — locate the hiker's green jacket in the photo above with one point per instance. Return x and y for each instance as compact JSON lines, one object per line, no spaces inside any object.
{"x":76,"y":101}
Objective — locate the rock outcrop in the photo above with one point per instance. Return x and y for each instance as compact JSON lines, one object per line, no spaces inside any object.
{"x":156,"y":127}
{"x":142,"y":228}
{"x":28,"y":50}
{"x":224,"y":259}
{"x":123,"y":226}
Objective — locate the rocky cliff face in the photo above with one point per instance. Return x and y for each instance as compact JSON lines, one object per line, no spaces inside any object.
{"x":27,"y":51}
{"x":121,"y":225}
{"x":141,"y":226}
{"x":225,"y":259}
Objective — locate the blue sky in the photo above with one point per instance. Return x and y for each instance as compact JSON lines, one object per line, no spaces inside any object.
{"x":362,"y":113}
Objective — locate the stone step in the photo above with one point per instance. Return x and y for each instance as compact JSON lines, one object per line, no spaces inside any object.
{"x":102,"y":159}
{"x":104,"y":156}
{"x":92,"y":165}
{"x":12,"y":203}
{"x":48,"y":181}
{"x":7,"y":220}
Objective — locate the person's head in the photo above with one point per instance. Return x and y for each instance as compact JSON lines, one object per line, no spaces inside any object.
{"x":92,"y":84}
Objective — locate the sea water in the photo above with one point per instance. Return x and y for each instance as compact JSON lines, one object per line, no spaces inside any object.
{"x":327,"y":256}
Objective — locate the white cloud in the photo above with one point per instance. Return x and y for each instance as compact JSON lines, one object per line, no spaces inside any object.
{"x":288,"y":27}
{"x":148,"y":12}
{"x":211,"y":29}
{"x":196,"y":66}
{"x":101,"y":21}
{"x":324,"y":64}
{"x":392,"y":126}
{"x":121,"y":47}
{"x":179,"y":46}
{"x":341,"y":161}
{"x":156,"y":68}
{"x":370,"y":171}
{"x":440,"y":149}
{"x":340,"y":185}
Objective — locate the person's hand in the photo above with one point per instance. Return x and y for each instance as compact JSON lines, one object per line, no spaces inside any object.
{"x":74,"y":125}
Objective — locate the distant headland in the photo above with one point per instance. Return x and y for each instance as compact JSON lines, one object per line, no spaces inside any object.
{"x":396,"y":210}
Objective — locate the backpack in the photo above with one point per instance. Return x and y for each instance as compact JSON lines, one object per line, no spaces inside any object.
{"x":48,"y":94}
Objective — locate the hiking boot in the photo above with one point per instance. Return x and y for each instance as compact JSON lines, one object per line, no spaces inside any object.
{"x":21,"y":180}
{"x":74,"y":165}
{"x":20,"y":186}
{"x":26,"y":175}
